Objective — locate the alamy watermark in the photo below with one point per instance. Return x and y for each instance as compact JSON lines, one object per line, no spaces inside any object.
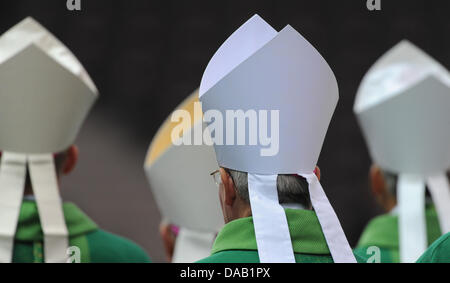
{"x":375,"y":254}
{"x":235,"y":132}
{"x":373,"y":5}
{"x":74,"y":254}
{"x":73,"y":5}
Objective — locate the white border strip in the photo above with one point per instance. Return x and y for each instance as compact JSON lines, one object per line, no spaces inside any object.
{"x":45,"y":187}
{"x":334,"y":234}
{"x":269,"y":219}
{"x":411,"y":219}
{"x":12,"y":184}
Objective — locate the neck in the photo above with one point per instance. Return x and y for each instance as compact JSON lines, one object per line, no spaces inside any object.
{"x":237,"y":212}
{"x":246,"y":212}
{"x":29,"y":197}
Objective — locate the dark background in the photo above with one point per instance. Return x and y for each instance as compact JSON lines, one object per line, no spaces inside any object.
{"x":147,"y":56}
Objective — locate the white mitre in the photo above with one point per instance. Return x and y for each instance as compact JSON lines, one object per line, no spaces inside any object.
{"x":45,"y":95}
{"x":259,"y":69}
{"x":181,"y":184}
{"x":403,"y":107}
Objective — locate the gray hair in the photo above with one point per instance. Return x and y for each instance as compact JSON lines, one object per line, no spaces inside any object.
{"x":391,"y":179}
{"x":291,"y":188}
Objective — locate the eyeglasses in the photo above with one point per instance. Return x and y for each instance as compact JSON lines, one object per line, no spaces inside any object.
{"x":216,"y":177}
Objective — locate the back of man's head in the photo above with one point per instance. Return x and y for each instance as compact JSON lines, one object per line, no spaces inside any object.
{"x":292,"y":189}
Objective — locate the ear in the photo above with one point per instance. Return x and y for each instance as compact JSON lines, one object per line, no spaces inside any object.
{"x":317,"y":172}
{"x":168,"y":239}
{"x":70,"y":160}
{"x":377,"y":183}
{"x":228,"y":187}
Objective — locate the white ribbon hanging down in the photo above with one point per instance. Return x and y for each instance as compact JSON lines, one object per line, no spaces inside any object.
{"x":12,"y":184}
{"x":192,"y":246}
{"x":411,"y":218}
{"x":334,"y":234}
{"x":273,"y":238}
{"x":45,"y":187}
{"x":439,"y":188}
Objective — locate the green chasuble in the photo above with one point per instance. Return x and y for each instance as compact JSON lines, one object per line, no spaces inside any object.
{"x":382,"y":232}
{"x":95,"y":244}
{"x":236,"y":242}
{"x":438,"y":252}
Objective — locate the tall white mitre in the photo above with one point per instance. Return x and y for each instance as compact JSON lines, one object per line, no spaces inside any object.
{"x":183,"y":189}
{"x":258,"y":68}
{"x":45,"y":95}
{"x":403,"y":107}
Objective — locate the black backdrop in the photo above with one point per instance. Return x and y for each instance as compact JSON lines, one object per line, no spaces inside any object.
{"x":146,"y":56}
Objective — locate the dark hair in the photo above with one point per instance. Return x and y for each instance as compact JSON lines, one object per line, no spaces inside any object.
{"x":391,"y":179}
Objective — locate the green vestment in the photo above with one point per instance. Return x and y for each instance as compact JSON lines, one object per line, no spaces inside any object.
{"x":95,"y":245}
{"x":236,"y":242}
{"x":438,"y":252}
{"x":382,"y":232}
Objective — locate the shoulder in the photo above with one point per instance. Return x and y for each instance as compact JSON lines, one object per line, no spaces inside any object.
{"x":250,"y":256}
{"x":375,"y":254}
{"x":232,"y":256}
{"x":381,"y":231}
{"x":439,"y":251}
{"x":108,"y":247}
